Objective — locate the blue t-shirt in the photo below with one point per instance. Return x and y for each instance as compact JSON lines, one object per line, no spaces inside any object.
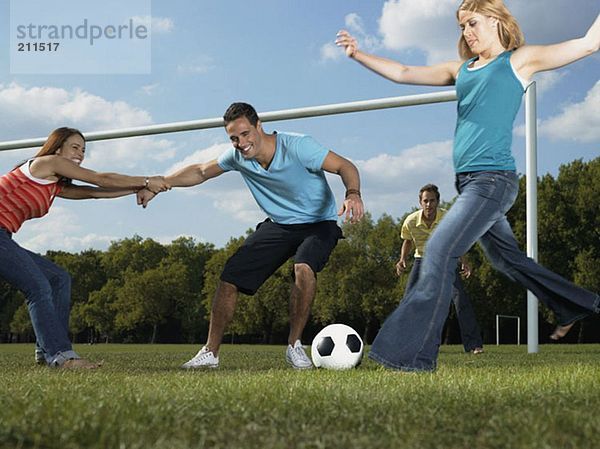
{"x":293,"y":189}
{"x":489,"y":98}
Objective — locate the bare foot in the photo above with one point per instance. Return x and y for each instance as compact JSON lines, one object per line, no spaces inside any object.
{"x":560,"y":331}
{"x":80,"y":364}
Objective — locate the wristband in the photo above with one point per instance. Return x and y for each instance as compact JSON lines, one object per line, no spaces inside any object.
{"x":146,"y":182}
{"x":352,"y":192}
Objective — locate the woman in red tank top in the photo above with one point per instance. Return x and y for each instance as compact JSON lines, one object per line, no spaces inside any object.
{"x":28,"y":192}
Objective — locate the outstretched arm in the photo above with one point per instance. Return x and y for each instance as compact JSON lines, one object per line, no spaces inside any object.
{"x":353,"y":206}
{"x":194,"y":174}
{"x":531,"y":59}
{"x":188,"y":176}
{"x":48,"y":166}
{"x":436,"y":75}
{"x":76,"y":192}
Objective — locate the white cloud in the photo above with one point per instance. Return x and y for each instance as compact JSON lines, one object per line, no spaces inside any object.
{"x":21,"y":106}
{"x":546,"y":81}
{"x":59,"y":230}
{"x":355,"y":25}
{"x":391,"y":181}
{"x":238,"y":203}
{"x":331,"y":52}
{"x":427,"y":25}
{"x":578,"y":121}
{"x":422,"y":163}
{"x":158,"y":25}
{"x":127,"y":154}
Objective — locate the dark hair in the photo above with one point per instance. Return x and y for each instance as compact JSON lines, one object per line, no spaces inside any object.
{"x":430,"y":188}
{"x":56,"y":139}
{"x":237,"y":110}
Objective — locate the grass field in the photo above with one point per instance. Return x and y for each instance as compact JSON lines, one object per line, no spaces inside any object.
{"x":504,"y":398}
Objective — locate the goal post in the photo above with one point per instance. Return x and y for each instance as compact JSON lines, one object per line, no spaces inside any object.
{"x":498,"y":327}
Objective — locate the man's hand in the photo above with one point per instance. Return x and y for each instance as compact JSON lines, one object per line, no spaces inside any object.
{"x":144,"y":196}
{"x":157,"y":184}
{"x":465,"y":269}
{"x":353,"y":208}
{"x":400,"y":267}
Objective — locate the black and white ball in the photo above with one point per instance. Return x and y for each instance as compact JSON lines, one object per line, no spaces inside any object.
{"x":337,"y":346}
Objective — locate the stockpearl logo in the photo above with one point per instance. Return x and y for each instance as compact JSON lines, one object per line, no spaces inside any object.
{"x":75,"y":37}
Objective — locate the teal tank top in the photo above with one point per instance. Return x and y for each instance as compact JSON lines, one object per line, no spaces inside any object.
{"x":489,"y":98}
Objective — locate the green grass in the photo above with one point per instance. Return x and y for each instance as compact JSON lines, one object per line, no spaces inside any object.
{"x":504,"y":398}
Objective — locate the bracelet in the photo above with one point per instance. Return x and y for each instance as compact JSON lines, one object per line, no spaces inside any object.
{"x":146,"y":182}
{"x":352,"y":192}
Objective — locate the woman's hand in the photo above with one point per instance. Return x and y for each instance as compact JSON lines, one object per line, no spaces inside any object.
{"x":349,"y":43}
{"x":144,"y":196}
{"x":157,"y":184}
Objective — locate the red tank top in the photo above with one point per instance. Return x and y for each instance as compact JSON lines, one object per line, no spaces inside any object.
{"x":23,"y":197}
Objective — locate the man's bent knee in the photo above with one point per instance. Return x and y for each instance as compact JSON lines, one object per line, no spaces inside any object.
{"x":303,"y":271}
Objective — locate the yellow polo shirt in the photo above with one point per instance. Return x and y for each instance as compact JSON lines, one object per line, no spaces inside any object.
{"x":415,"y":229}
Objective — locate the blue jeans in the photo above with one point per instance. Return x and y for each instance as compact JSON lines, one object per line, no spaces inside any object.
{"x":470,"y":332}
{"x":410,"y":337}
{"x":47,"y":289}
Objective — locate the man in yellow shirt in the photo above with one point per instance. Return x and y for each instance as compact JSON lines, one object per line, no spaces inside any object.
{"x":416,"y":229}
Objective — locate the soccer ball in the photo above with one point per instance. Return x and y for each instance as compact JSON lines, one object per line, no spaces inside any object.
{"x":337,"y":346}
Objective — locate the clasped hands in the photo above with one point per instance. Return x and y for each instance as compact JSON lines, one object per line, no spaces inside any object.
{"x":154,"y":185}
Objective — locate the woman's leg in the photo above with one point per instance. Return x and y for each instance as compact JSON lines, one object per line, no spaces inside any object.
{"x":568,"y":301}
{"x":60,"y":283}
{"x":29,"y":278}
{"x":410,"y":337}
{"x":470,"y":332}
{"x":413,"y":277}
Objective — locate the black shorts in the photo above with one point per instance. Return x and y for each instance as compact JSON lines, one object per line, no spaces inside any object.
{"x":272,"y":244}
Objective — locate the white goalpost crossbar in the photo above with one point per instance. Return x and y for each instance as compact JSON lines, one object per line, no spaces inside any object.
{"x":358,"y":106}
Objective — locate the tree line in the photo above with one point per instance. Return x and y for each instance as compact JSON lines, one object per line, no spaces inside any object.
{"x":139,"y":290}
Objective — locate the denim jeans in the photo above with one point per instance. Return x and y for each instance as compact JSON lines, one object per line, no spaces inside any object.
{"x":47,"y":289}
{"x":410,"y":337}
{"x":470,"y":332}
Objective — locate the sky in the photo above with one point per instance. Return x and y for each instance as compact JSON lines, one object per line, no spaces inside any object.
{"x":275,"y":54}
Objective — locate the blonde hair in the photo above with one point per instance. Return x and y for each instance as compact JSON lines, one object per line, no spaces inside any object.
{"x":510,"y":34}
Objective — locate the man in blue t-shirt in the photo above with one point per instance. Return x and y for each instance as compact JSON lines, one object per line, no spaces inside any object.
{"x":286,"y":175}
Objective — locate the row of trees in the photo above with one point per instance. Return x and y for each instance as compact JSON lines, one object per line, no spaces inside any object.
{"x":142,"y":291}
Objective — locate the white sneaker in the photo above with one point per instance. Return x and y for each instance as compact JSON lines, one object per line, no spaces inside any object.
{"x":296,"y":356}
{"x":204,"y":359}
{"x":40,"y":359}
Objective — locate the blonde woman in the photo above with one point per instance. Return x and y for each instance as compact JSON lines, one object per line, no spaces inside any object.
{"x":490,"y":81}
{"x":27,"y":192}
